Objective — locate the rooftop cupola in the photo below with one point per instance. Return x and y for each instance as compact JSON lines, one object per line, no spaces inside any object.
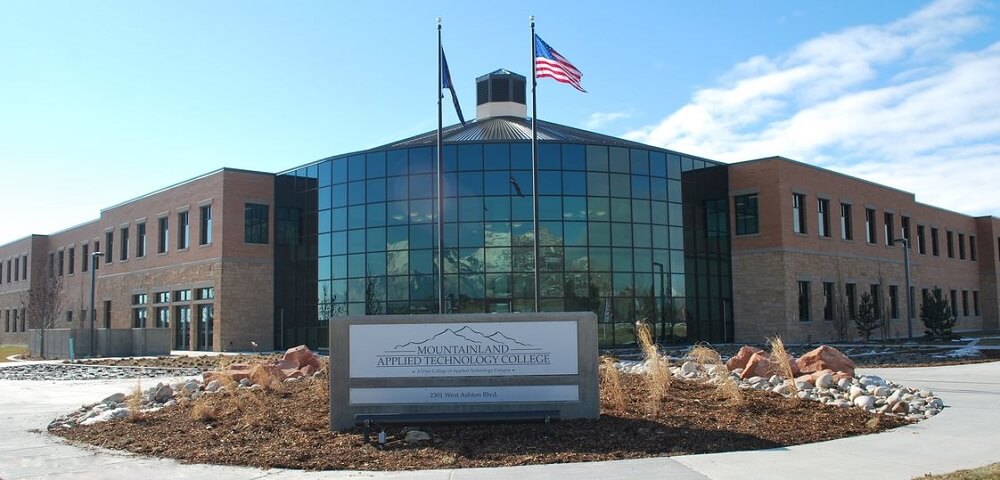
{"x":500,"y":94}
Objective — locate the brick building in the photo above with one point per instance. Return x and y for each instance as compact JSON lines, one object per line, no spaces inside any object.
{"x":808,"y":242}
{"x":195,"y":257}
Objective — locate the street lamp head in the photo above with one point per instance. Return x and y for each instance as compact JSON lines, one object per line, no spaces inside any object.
{"x":97,"y":254}
{"x":904,"y":241}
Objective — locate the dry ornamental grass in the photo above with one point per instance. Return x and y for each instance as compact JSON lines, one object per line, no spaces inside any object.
{"x":783,"y":363}
{"x":712,"y":362}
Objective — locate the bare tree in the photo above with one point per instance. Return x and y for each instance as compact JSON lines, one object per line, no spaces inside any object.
{"x":46,"y":306}
{"x":842,"y":315}
{"x":373,"y":302}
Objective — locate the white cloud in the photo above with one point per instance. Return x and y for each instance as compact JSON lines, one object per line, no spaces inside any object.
{"x":898,"y":104}
{"x":600,"y":119}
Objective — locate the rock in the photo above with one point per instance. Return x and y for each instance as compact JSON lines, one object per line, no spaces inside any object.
{"x":894,"y":398}
{"x":301,"y":356}
{"x":213,"y":386}
{"x":108,"y":415}
{"x":802,"y":394}
{"x":935,"y":403}
{"x":855,"y":392}
{"x":292,"y":379}
{"x":190,"y":386}
{"x":825,"y":357}
{"x":416,"y":436}
{"x":196,"y":394}
{"x":803,"y":385}
{"x":170,"y":403}
{"x":882,"y":391}
{"x":245,"y":382}
{"x":874,"y":380}
{"x":900,"y":408}
{"x":864,"y":401}
{"x":114,"y":398}
{"x":841,"y":403}
{"x":689,"y":367}
{"x":824,"y":380}
{"x":784,"y":389}
{"x":930,"y":412}
{"x":739,"y":361}
{"x":844,"y":383}
{"x":162,"y":393}
{"x":775,"y":380}
{"x":925,"y":393}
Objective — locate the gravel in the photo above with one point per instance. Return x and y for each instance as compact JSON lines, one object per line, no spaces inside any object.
{"x":71,"y":372}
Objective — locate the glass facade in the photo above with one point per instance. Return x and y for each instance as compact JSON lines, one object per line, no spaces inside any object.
{"x":627,"y":233}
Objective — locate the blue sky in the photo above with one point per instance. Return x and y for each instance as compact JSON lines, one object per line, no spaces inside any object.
{"x":104,"y":101}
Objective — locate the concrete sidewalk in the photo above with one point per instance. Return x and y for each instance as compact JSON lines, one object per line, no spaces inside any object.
{"x":962,"y":436}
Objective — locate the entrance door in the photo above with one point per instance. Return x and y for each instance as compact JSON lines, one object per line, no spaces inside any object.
{"x":182,"y":328}
{"x":206,"y":319}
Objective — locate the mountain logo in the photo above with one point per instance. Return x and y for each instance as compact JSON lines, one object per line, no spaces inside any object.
{"x":468,"y":336}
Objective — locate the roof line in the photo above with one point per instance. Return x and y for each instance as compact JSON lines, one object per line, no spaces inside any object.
{"x":184,"y":182}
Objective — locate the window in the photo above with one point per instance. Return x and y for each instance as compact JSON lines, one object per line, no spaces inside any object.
{"x":182,"y":295}
{"x":965,"y":303}
{"x":124,"y":246}
{"x":255,"y":226}
{"x":846,"y":229}
{"x":950,"y":237}
{"x":798,"y":213}
{"x":954,"y":303}
{"x":747,"y":215}
{"x":972,"y":248}
{"x":109,"y":242}
{"x":107,"y":313}
{"x":162,"y":297}
{"x":140,"y":240}
{"x":961,"y":246}
{"x":935,"y":245}
{"x":803,"y":301}
{"x":823,"y":217}
{"x":72,"y":260}
{"x":975,"y":303}
{"x":69,"y":316}
{"x":85,"y":258}
{"x":139,"y":317}
{"x":828,"y":299}
{"x":59,"y":267}
{"x":912,"y":302}
{"x":139,"y":299}
{"x":97,"y":248}
{"x":876,"y":301}
{"x":851,"y":292}
{"x":905,"y":228}
{"x":890,"y":230}
{"x":893,"y":301}
{"x":207,"y":293}
{"x":17,"y":269}
{"x":921,"y":241}
{"x":164,"y":233}
{"x":183,"y":231}
{"x":1,"y":272}
{"x":870,"y":225}
{"x":205,"y":232}
{"x":162,"y":317}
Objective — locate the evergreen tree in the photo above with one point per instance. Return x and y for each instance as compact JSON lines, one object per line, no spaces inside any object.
{"x":936,"y":314}
{"x":867,"y":319}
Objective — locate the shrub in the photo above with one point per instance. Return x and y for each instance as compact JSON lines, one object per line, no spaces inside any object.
{"x":936,"y":314}
{"x":867,"y":319}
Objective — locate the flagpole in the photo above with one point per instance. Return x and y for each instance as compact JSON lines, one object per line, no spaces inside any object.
{"x":440,"y":188}
{"x":534,"y":172}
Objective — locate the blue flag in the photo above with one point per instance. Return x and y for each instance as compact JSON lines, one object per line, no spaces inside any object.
{"x":446,"y":83}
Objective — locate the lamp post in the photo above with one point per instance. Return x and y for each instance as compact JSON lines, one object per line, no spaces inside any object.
{"x":663,"y":321}
{"x":909,"y":299}
{"x":93,"y":313}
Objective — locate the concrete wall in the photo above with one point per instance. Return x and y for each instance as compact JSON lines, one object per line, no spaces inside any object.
{"x":114,"y":342}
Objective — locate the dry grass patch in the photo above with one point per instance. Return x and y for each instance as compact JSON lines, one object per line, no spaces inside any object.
{"x":989,"y":472}
{"x":782,"y":361}
{"x":8,"y":350}
{"x":612,"y":394}
{"x":657,"y":368}
{"x":712,"y":362}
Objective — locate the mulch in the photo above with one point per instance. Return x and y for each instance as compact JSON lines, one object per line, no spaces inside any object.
{"x":288,"y":428}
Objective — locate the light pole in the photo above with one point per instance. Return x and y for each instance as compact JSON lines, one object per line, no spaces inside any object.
{"x":909,"y":299}
{"x":663,"y":321}
{"x":93,"y":313}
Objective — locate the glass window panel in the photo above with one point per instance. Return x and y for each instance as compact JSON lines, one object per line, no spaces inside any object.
{"x":496,"y":156}
{"x":657,"y":164}
{"x":674,"y":190}
{"x":375,"y":264}
{"x":520,"y":186}
{"x":642,"y":260}
{"x":397,"y":262}
{"x":470,"y":183}
{"x":339,"y":268}
{"x":600,"y":285}
{"x":497,"y":183}
{"x":323,"y":266}
{"x":598,"y":209}
{"x":375,"y":213}
{"x":620,"y":185}
{"x":356,"y":168}
{"x":574,"y":208}
{"x":356,"y":241}
{"x":397,"y":238}
{"x":621,"y":234}
{"x":498,"y":234}
{"x":551,"y":284}
{"x":470,"y":157}
{"x":573,"y":157}
{"x":451,"y":209}
{"x":323,"y":197}
{"x":674,"y":167}
{"x":356,"y":216}
{"x":640,"y":161}
{"x":619,"y":159}
{"x":644,"y":289}
{"x":574,"y":183}
{"x":356,"y":193}
{"x":522,"y":259}
{"x":421,"y":186}
{"x":396,"y":163}
{"x":521,"y":233}
{"x":659,"y":236}
{"x":550,"y":233}
{"x":338,"y":218}
{"x":356,"y":265}
{"x":549,"y":156}
{"x":398,"y":288}
{"x":550,"y":208}
{"x":576,"y":259}
{"x":520,"y":156}
{"x":577,"y":292}
{"x":676,"y":216}
{"x":677,"y":285}
{"x":621,"y":259}
{"x":375,"y":190}
{"x":339,"y":243}
{"x":640,"y":211}
{"x":450,"y":158}
{"x":575,"y":233}
{"x":498,"y":260}
{"x":552,"y":259}
{"x":640,"y":186}
{"x":323,"y":222}
{"x":597,"y":183}
{"x":641,"y":235}
{"x":338,"y":290}
{"x":471,"y":260}
{"x":496,"y":208}
{"x":470,"y":209}
{"x":339,"y":195}
{"x":421,"y":211}
{"x":658,"y":189}
{"x":597,"y":159}
{"x":521,"y":208}
{"x":600,"y":259}
{"x":375,"y":164}
{"x":397,"y":188}
{"x":622,"y":288}
{"x":450,"y":235}
{"x":339,"y":170}
{"x":599,"y":234}
{"x":549,"y":182}
{"x":421,"y":236}
{"x":658,"y":213}
{"x":470,"y":234}
{"x":375,"y":239}
{"x":470,"y":287}
{"x":498,"y":285}
{"x":676,"y":238}
{"x":323,"y":244}
{"x":421,"y":160}
{"x":422,"y":287}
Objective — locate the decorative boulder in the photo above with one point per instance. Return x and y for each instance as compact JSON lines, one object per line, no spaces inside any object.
{"x":741,"y":358}
{"x":825,"y":357}
{"x":301,"y":356}
{"x":760,"y":365}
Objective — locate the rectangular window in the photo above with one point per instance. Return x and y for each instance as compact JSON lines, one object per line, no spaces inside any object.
{"x":162,"y":244}
{"x":72,"y":260}
{"x":207,"y":293}
{"x":798,"y":213}
{"x":747,"y":219}
{"x":182,"y":295}
{"x":851,"y":292}
{"x":876,"y":301}
{"x":85,"y":258}
{"x":205,"y":232}
{"x":965,"y":303}
{"x":905,"y":230}
{"x":950,"y":238}
{"x":139,"y":317}
{"x":870,"y":225}
{"x":961,"y":246}
{"x":935,"y":245}
{"x":162,"y":297}
{"x":846,"y":229}
{"x":69,"y":316}
{"x":255,"y":223}
{"x":183,"y":231}
{"x":913,"y":302}
{"x":890,"y":230}
{"x":803,"y":301}
{"x":17,"y":269}
{"x":140,"y":240}
{"x":893,"y":301}
{"x":24,"y":267}
{"x":139,"y":299}
{"x":823,"y":217}
{"x":162,"y":317}
{"x":109,"y":243}
{"x":59,"y":267}
{"x":1,"y":272}
{"x":124,"y":247}
{"x":954,"y":303}
{"x":97,"y":248}
{"x":975,"y":302}
{"x":828,"y":299}
{"x":921,"y":241}
{"x":972,"y":248}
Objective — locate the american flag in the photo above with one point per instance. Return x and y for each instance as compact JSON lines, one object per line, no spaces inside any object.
{"x":549,"y":63}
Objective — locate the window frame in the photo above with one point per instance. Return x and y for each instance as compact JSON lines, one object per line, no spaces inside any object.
{"x":746,"y":209}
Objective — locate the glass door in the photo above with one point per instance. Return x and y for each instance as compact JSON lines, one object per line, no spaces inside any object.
{"x":206,"y":319}
{"x":182,"y":328}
